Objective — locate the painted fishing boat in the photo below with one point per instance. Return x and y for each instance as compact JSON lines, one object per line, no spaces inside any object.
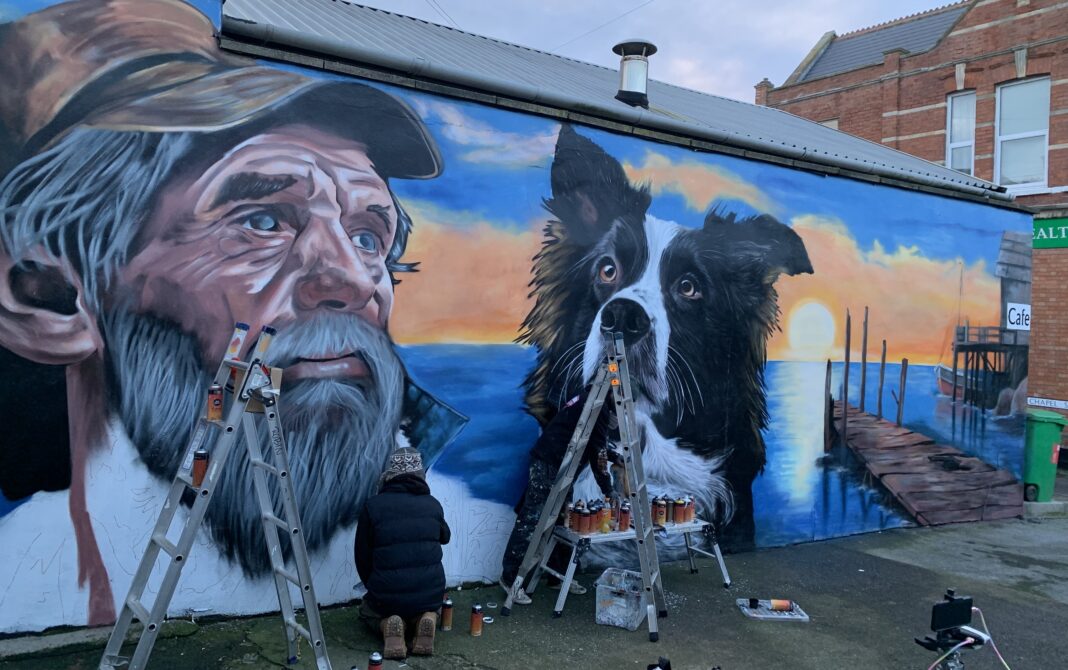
{"x":944,"y":380}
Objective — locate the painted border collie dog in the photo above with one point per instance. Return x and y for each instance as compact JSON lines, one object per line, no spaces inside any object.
{"x":695,"y":305}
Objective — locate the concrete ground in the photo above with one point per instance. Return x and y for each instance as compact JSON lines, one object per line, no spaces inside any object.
{"x":867,"y":596}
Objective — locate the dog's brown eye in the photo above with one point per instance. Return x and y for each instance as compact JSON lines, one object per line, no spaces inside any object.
{"x":688,"y":289}
{"x":607,"y":271}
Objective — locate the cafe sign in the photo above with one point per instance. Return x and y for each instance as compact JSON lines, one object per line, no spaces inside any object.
{"x":1051,"y":233}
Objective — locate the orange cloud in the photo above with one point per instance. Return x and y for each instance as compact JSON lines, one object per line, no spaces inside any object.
{"x":472,"y":280}
{"x":699,"y":183}
{"x":912,"y":299}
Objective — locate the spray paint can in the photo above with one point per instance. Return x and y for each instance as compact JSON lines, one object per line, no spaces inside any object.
{"x":476,"y":621}
{"x":215,"y":403}
{"x":584,"y":522}
{"x":778,"y":605}
{"x":569,"y":515}
{"x":652,"y":509}
{"x":680,"y":511}
{"x":446,"y":614}
{"x":661,"y":512}
{"x":624,"y":516}
{"x":200,"y":467}
{"x":669,"y":515}
{"x":375,"y":661}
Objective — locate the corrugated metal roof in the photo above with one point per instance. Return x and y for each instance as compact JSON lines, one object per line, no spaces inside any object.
{"x":428,"y":51}
{"x":914,"y":34}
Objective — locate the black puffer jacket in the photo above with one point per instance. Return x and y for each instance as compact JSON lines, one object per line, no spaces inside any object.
{"x":398,"y":548}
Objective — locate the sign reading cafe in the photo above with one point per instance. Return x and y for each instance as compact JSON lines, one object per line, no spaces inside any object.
{"x":1050,"y":233}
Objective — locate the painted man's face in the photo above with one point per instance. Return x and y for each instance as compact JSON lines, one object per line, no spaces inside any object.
{"x":289,"y":224}
{"x":290,"y":228}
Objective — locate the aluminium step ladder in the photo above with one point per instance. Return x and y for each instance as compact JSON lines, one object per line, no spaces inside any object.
{"x":613,"y":375}
{"x":255,"y":391}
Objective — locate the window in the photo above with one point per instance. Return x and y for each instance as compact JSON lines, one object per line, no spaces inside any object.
{"x":1021,"y":147}
{"x":830,"y":123}
{"x":960,"y":132}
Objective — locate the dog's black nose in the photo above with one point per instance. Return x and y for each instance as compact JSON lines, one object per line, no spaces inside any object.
{"x":627,"y":317}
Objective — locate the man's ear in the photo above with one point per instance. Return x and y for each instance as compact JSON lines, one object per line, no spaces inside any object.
{"x":762,"y":240}
{"x":43,"y":314}
{"x":590,"y":188}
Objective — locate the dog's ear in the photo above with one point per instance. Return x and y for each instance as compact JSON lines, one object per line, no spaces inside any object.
{"x":762,"y":240}
{"x":590,"y":189}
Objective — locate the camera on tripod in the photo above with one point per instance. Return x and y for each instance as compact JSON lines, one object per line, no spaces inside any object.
{"x":949,"y":621}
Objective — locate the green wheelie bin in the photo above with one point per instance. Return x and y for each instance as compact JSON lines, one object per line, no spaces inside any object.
{"x":1041,"y":453}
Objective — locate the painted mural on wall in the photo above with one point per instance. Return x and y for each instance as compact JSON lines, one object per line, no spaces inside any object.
{"x":440,"y":273}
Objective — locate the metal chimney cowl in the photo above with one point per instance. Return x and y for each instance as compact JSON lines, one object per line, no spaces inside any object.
{"x":634,"y":71}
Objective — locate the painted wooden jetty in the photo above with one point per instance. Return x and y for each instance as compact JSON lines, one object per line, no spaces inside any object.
{"x":935,"y":483}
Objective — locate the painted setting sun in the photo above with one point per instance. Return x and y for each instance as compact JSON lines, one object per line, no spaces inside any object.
{"x":810,"y":329}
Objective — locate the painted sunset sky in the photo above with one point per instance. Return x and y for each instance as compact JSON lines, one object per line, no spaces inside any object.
{"x":866,"y":242}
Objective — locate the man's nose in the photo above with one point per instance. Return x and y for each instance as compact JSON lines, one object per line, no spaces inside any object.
{"x":334,"y":276}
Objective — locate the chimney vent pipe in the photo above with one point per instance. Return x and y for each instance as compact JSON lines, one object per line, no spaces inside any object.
{"x":634,"y":71}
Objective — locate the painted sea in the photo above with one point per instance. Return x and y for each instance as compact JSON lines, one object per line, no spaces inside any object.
{"x":797,"y":498}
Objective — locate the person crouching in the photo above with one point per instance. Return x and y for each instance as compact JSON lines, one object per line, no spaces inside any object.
{"x":398,"y":557}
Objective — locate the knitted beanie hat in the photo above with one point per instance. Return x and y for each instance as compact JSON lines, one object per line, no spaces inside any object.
{"x":403,"y":461}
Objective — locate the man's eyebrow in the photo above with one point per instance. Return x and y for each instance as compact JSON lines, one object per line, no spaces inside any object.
{"x":251,"y":186}
{"x":383,"y":213}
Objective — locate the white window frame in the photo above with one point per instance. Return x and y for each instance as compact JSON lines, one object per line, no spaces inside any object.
{"x":950,"y":146}
{"x":1032,"y":187}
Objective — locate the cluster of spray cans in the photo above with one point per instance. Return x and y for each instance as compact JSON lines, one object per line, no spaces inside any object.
{"x":672,"y":509}
{"x":597,"y":516}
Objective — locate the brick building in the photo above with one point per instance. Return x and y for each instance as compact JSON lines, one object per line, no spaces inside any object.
{"x":980,"y":86}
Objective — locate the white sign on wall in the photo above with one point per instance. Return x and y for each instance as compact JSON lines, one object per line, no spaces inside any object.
{"x":1047,"y":402}
{"x":1018,"y":316}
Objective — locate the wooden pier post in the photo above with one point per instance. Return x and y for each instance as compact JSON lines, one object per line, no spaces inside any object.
{"x":864,"y":359}
{"x":955,"y":355}
{"x":828,"y":410}
{"x":845,"y":380}
{"x":882,"y":373}
{"x":901,"y":389}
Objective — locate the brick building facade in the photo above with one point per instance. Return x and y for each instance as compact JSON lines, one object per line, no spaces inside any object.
{"x":980,"y":86}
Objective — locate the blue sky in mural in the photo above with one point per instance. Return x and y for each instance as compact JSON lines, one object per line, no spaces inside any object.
{"x":497,"y":167}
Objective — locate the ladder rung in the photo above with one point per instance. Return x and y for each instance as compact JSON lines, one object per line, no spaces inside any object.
{"x":185,"y":479}
{"x":281,"y":523}
{"x":292,"y":578}
{"x":166,"y":545}
{"x":260,"y":463}
{"x":139,"y":611}
{"x":231,"y":363}
{"x":114,"y":661}
{"x":292,"y":623}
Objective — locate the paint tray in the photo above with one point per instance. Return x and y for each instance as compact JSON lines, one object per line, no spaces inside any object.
{"x":764,"y":612}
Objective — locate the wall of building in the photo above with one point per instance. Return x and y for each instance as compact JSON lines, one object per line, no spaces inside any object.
{"x":157,"y":190}
{"x":902,"y":103}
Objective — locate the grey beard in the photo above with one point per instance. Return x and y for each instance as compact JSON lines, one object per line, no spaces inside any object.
{"x":339,"y":434}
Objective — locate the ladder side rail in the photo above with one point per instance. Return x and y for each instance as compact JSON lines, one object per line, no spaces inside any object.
{"x":221,"y":454}
{"x":280,"y":459}
{"x":270,"y":532}
{"x":163,"y":525}
{"x":630,"y":435}
{"x":565,"y":477}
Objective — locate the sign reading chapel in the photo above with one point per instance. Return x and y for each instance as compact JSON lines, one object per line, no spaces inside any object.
{"x":1051,"y":233}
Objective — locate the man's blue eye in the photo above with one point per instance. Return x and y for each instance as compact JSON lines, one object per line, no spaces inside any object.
{"x":262,"y":221}
{"x":365,"y":241}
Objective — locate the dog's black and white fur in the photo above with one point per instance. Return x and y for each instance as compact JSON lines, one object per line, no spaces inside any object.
{"x":696,"y":306}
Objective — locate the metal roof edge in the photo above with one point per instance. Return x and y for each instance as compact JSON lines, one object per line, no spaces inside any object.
{"x":614,"y":111}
